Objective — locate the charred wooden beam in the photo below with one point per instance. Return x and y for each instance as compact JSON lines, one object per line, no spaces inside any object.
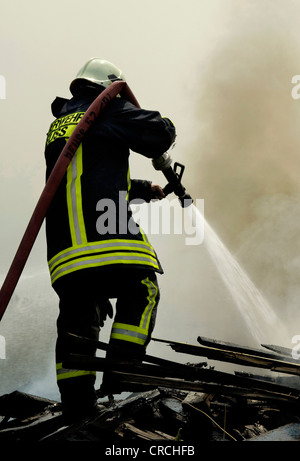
{"x":235,"y":354}
{"x":211,"y":388}
{"x":283,"y":351}
{"x":190,"y":377}
{"x":184,"y":376}
{"x":18,"y":404}
{"x":112,"y":348}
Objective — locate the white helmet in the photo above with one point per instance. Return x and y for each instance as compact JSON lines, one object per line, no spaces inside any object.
{"x":97,"y":71}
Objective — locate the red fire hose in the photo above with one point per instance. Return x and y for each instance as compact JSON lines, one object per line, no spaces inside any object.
{"x":52,"y":184}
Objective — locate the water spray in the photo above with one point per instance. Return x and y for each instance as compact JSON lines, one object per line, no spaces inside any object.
{"x":259,"y":317}
{"x":174,"y":176}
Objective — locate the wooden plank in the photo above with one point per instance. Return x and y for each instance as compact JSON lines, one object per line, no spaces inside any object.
{"x":200,"y":380}
{"x":108,"y":347}
{"x":186,"y":372}
{"x":252,"y":359}
{"x":215,"y":389}
{"x":226,"y":346}
{"x":283,"y":351}
{"x":135,"y":432}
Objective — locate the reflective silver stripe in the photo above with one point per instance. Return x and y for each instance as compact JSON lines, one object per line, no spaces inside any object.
{"x":74,"y":199}
{"x":104,"y":259}
{"x":66,"y":373}
{"x":117,"y":258}
{"x":134,"y":334}
{"x":107,"y":245}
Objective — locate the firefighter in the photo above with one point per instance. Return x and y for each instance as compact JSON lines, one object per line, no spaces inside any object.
{"x":95,"y":251}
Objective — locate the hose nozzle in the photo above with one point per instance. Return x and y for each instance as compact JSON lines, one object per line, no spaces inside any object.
{"x":174,"y":184}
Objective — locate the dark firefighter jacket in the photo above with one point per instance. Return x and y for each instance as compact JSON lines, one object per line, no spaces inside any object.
{"x":89,"y":223}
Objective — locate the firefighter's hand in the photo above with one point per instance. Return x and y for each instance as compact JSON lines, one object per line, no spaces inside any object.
{"x":106,"y":309}
{"x":157,"y":192}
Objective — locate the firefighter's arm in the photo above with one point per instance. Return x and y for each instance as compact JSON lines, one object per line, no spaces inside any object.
{"x":145,"y":132}
{"x":144,"y":190}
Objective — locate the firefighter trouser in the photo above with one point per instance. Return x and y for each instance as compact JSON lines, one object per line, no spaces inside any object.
{"x":83,"y":300}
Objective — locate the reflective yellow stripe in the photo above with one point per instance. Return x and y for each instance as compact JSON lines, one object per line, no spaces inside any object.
{"x":65,"y":373}
{"x":69,"y":203}
{"x":102,"y":253}
{"x":103,"y":260}
{"x":129,"y":333}
{"x":101,"y":247}
{"x":74,"y":199}
{"x":138,"y":334}
{"x":152,"y":290}
{"x":128,"y":184}
{"x":145,"y":238}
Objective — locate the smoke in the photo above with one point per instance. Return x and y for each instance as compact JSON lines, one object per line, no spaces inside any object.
{"x":29,"y":330}
{"x":272,"y":240}
{"x":247,"y":136}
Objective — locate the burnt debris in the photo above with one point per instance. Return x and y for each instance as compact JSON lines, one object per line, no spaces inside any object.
{"x":175,"y":403}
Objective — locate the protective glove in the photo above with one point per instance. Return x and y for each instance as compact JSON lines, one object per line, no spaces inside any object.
{"x":106,"y":309}
{"x":163,"y":162}
{"x":157,"y":192}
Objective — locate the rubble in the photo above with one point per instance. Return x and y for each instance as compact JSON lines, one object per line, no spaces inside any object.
{"x":177,"y":403}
